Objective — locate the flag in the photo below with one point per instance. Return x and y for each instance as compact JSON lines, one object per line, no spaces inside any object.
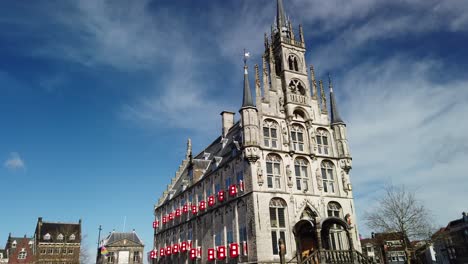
{"x":104,"y":251}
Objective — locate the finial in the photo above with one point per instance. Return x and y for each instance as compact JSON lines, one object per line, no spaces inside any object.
{"x":266,"y":41}
{"x":246,"y":56}
{"x":314,"y":83}
{"x":301,"y":33}
{"x":257,"y":76}
{"x":335,"y":115}
{"x":188,"y":153}
{"x":324,"y":98}
{"x":330,"y":85}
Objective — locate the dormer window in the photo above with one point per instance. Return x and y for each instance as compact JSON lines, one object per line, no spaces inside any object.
{"x":72,"y":237}
{"x":206,"y":155}
{"x":13,"y":245}
{"x":60,"y":237}
{"x":218,"y":160}
{"x":47,"y":236}
{"x":224,"y":141}
{"x":30,"y":243}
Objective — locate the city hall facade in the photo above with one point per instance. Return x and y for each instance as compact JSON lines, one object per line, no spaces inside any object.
{"x":282,"y":172}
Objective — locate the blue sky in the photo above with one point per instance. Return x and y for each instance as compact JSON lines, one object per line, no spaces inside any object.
{"x":97,"y":99}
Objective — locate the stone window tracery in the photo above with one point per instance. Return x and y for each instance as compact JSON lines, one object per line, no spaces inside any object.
{"x":273,"y":165}
{"x":328,"y":176}
{"x":337,"y":234}
{"x":297,"y":137}
{"x":301,"y":167}
{"x":277,"y":222}
{"x":270,"y":134}
{"x":296,"y":87}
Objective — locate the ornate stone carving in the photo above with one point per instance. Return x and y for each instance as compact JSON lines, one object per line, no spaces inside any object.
{"x":346,"y":164}
{"x":285,"y":134}
{"x":319,"y":179}
{"x":345,"y":180}
{"x":259,"y":173}
{"x":288,"y":174}
{"x":252,"y":154}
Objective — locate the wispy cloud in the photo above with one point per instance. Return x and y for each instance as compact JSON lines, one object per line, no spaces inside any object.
{"x":408,"y":129}
{"x":14,"y":162}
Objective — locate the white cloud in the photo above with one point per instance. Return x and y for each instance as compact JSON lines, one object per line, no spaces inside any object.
{"x":405,"y":128}
{"x":14,"y":162}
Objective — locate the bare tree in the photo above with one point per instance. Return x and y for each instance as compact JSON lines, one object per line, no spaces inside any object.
{"x":400,"y":211}
{"x":85,"y":257}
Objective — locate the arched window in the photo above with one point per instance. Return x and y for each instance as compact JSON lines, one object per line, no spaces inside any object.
{"x":301,"y":167}
{"x":328,"y":176}
{"x":322,"y":142}
{"x":337,"y":233}
{"x":273,"y":165}
{"x":296,"y":87}
{"x":277,"y":222}
{"x":334,"y":209}
{"x":297,"y":137}
{"x":293,"y":63}
{"x":270,"y":134}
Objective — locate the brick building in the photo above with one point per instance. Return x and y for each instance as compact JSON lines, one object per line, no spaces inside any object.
{"x":57,"y":243}
{"x":20,"y":250}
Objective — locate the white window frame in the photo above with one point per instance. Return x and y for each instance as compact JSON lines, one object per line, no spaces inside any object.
{"x":297,"y":138}
{"x":323,"y":142}
{"x":328,"y":176}
{"x":273,"y":164}
{"x":278,"y":210}
{"x":269,"y":140}
{"x":301,"y":169}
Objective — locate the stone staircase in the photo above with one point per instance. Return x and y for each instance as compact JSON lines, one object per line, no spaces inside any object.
{"x":334,"y":257}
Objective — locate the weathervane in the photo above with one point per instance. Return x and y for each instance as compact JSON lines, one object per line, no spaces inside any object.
{"x":246,"y":56}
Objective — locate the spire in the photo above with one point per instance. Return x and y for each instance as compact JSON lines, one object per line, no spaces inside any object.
{"x":280,"y":17}
{"x":301,"y":33}
{"x":266,"y":81}
{"x":323,"y":102}
{"x":335,"y":115}
{"x":247,"y":99}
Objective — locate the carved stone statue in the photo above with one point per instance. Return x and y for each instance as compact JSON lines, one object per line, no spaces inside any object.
{"x":281,"y":104}
{"x":319,"y":179}
{"x":259,"y":174}
{"x":288,"y":174}
{"x":285,"y":135}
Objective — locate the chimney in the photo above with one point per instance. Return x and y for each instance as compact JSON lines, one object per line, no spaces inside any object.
{"x":227,"y":121}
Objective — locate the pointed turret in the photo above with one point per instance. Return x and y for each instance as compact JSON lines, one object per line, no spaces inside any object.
{"x":314,"y":83}
{"x":247,"y":98}
{"x":335,"y":115}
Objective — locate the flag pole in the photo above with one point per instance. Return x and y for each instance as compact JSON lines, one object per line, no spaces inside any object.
{"x":98,"y":241}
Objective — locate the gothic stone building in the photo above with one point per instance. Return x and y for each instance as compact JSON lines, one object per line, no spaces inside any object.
{"x":281,"y":172}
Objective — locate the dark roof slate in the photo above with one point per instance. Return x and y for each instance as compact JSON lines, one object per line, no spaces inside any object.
{"x":117,"y":236}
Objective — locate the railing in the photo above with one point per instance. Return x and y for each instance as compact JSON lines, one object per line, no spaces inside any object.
{"x":336,"y":256}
